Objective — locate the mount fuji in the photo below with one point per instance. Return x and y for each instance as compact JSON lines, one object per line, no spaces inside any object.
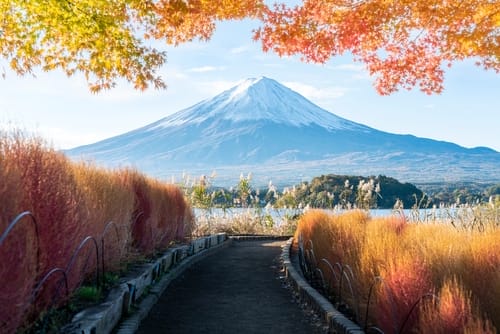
{"x":263,"y":127}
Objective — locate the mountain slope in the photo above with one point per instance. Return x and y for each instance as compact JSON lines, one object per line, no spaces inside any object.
{"x":260,"y":123}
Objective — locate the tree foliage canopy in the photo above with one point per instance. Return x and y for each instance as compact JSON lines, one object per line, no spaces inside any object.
{"x":403,"y":43}
{"x":106,"y":40}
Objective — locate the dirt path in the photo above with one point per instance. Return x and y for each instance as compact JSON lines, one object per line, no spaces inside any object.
{"x":236,"y":290}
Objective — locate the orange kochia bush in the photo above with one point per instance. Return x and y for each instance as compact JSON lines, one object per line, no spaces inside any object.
{"x":418,"y":272}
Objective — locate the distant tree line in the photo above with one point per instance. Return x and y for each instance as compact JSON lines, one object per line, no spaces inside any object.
{"x":461,"y":192}
{"x":328,"y":191}
{"x":340,"y":191}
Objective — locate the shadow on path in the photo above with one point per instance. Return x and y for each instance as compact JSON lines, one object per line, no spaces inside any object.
{"x":235,"y":290}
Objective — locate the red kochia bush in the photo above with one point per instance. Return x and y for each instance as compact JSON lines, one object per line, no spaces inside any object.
{"x":18,"y":261}
{"x":46,"y":187}
{"x":427,"y":278}
{"x":71,"y":202}
{"x":50,"y":192}
{"x":172,"y":214}
{"x":406,"y":281}
{"x":109,"y":204}
{"x":159,"y":215}
{"x":453,"y":312}
{"x":142,"y":233}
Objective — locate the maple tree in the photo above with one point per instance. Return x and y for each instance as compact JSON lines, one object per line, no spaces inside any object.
{"x":403,"y":43}
{"x":106,"y":39}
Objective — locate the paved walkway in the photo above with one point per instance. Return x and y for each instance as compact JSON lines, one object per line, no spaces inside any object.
{"x":236,"y":290}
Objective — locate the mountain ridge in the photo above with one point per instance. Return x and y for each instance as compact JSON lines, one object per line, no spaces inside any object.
{"x":261,"y":123}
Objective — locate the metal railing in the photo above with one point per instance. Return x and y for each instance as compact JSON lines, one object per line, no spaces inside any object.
{"x":57,"y":276}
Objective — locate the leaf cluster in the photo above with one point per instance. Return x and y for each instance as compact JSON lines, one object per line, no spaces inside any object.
{"x":106,"y":40}
{"x":403,"y":43}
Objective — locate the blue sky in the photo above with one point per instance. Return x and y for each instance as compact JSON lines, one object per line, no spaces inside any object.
{"x":66,"y":114}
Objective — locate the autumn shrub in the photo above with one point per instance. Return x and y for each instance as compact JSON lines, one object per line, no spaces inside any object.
{"x":48,"y":190}
{"x":483,"y":261}
{"x":141,"y":226}
{"x":18,"y":267}
{"x":84,"y":215}
{"x":179,"y":215}
{"x":405,"y":281}
{"x":166,"y":214}
{"x":160,"y":213}
{"x":334,"y":241}
{"x":109,"y":205}
{"x":314,"y":233}
{"x":452,"y":312}
{"x":414,"y":270}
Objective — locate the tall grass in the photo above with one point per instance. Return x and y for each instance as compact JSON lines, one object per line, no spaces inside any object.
{"x":418,"y":272}
{"x":123,"y":211}
{"x":249,"y":221}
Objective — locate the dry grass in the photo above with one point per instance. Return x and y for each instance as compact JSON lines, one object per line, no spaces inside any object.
{"x":248,"y":222}
{"x":414,"y":262}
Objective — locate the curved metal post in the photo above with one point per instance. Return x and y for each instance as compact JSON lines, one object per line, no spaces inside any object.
{"x":135,"y":220}
{"x":338,"y":264}
{"x":323,"y":285}
{"x":302,"y":259}
{"x":353,"y":295}
{"x":334,"y":274}
{"x":393,"y":306}
{"x":427,"y":295}
{"x":139,"y":215}
{"x":77,"y":251}
{"x":309,"y":263}
{"x":376,"y":329}
{"x":45,"y":278}
{"x":103,"y":234}
{"x":312,"y":252}
{"x":11,"y":226}
{"x":375,"y":280}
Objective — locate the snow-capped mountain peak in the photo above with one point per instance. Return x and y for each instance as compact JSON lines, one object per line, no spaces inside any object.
{"x":264,"y":124}
{"x":257,"y":99}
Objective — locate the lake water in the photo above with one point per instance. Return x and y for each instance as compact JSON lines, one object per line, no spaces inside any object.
{"x":279,"y":215}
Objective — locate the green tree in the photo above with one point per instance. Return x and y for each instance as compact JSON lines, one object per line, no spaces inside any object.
{"x":106,"y":40}
{"x":200,"y":196}
{"x":244,"y":189}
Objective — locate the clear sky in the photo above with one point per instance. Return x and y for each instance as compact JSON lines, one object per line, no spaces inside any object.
{"x":66,"y":114}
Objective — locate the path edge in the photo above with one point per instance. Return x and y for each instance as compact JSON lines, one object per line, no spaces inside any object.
{"x":130,"y":302}
{"x":335,"y":320}
{"x":131,"y":324}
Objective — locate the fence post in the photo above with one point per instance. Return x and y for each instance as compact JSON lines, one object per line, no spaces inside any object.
{"x":11,"y":226}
